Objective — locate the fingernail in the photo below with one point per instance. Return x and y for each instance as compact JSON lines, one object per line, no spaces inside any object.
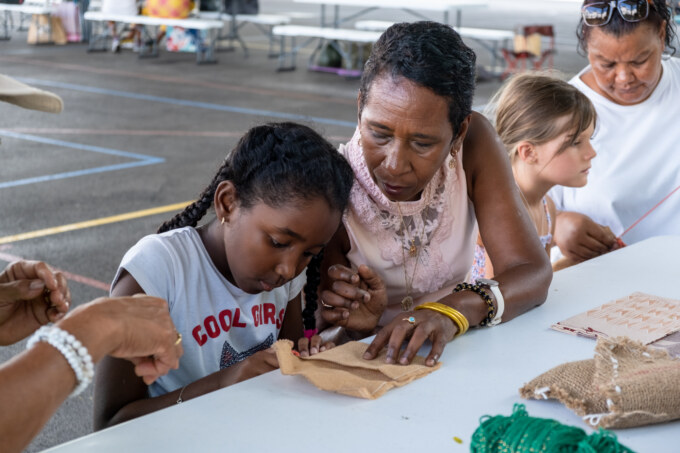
{"x":354,"y":305}
{"x":322,"y":349}
{"x":313,"y":350}
{"x":403,"y":361}
{"x":304,"y":354}
{"x":389,"y":356}
{"x":36,"y":284}
{"x":367,"y":355}
{"x":429,"y":362}
{"x":345,"y":315}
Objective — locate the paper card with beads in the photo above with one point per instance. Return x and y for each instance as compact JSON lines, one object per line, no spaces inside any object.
{"x":641,"y":317}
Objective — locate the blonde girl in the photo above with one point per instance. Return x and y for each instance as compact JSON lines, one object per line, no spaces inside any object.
{"x":545,"y":124}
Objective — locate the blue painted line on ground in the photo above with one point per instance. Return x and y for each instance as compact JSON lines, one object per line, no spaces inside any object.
{"x":79,"y":146}
{"x":73,"y":174}
{"x":140,"y":160}
{"x":182,"y":102}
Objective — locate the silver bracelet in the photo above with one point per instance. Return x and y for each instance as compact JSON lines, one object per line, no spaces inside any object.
{"x":73,"y":351}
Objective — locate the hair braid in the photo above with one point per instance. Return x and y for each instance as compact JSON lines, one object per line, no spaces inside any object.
{"x":278,"y":164}
{"x":196,"y":210}
{"x":311,"y":292}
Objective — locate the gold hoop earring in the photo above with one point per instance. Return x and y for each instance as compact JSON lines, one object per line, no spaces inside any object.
{"x":454,"y":159}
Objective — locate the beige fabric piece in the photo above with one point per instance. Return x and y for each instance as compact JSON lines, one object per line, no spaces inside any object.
{"x":626,"y":384}
{"x":343,"y":370}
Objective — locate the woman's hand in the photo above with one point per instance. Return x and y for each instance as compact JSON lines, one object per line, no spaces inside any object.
{"x":31,"y":295}
{"x":136,"y":328}
{"x":310,"y":346}
{"x":413,"y":328}
{"x":356,"y":300}
{"x":580,"y":239}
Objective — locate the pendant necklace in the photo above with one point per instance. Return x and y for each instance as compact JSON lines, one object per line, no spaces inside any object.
{"x":414,"y":252}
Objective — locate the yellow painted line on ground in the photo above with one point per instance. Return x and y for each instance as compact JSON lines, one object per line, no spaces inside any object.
{"x":93,"y":223}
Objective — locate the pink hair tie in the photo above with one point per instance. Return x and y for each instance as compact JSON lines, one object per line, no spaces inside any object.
{"x":309,"y":333}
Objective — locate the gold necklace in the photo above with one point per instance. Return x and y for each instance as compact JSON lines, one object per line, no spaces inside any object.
{"x":414,"y":251}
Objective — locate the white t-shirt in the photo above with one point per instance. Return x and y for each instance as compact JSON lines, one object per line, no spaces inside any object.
{"x":637,"y":162}
{"x":220,"y":324}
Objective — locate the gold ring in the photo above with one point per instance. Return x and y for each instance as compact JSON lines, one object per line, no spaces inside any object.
{"x":411,"y":320}
{"x":179,"y":339}
{"x":325,"y":305}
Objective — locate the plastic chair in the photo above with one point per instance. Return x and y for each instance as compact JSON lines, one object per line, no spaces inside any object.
{"x":534,"y":46}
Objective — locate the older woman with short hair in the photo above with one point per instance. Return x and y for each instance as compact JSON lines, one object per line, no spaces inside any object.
{"x":429,"y":173}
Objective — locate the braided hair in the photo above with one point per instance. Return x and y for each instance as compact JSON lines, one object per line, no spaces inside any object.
{"x":275,"y":164}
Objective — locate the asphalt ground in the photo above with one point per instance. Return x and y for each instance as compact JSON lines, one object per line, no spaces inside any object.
{"x":147,"y":134}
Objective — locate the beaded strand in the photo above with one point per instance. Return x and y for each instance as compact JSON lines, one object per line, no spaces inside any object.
{"x":73,"y":351}
{"x":484,"y":295}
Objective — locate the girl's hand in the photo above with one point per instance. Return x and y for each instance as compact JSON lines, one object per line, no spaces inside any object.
{"x":356,"y":300}
{"x":427,"y":324}
{"x":310,"y":346}
{"x":259,"y":363}
{"x":580,"y":238}
{"x":31,"y":295}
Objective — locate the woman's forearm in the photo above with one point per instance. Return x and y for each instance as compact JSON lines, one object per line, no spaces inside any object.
{"x":34,"y":384}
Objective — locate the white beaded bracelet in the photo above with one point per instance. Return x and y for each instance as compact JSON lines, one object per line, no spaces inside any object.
{"x":73,"y":351}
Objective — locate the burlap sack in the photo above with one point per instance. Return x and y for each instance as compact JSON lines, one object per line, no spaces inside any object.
{"x":626,"y":384}
{"x":343,"y":370}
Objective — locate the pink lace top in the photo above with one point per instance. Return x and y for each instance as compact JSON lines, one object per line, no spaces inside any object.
{"x":441,"y":223}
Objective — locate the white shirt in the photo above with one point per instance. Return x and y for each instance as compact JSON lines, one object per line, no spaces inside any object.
{"x":637,"y":162}
{"x":220,"y":324}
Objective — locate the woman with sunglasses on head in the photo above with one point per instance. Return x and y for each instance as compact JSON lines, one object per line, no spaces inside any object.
{"x":635,"y":88}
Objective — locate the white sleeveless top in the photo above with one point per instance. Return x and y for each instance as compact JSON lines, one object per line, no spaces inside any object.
{"x":445,"y":215}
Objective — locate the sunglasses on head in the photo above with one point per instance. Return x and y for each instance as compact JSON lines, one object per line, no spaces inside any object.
{"x":600,"y":13}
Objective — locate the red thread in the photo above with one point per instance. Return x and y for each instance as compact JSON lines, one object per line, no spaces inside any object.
{"x":649,"y":212}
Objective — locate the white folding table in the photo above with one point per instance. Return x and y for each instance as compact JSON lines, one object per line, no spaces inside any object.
{"x":481,"y":373}
{"x":439,"y":6}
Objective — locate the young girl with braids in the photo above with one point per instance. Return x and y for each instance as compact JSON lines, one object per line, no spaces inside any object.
{"x":545,"y":124}
{"x":233,"y":284}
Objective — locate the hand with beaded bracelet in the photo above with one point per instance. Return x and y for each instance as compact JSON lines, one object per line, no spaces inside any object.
{"x":59,"y":360}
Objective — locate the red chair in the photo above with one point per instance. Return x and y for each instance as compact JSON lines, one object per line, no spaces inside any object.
{"x":534,"y":46}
